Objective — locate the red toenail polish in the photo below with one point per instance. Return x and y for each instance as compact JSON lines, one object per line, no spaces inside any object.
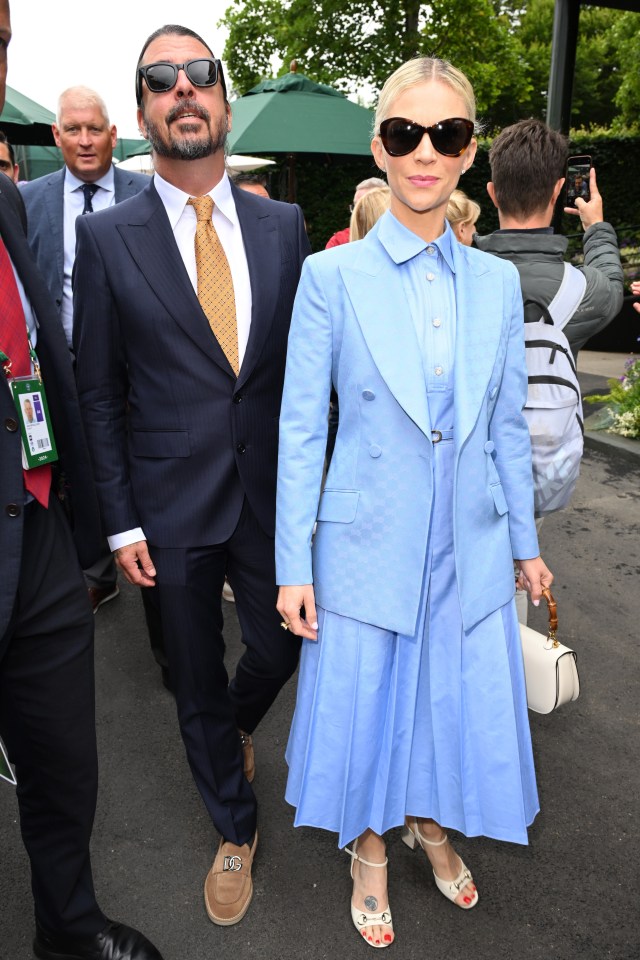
{"x":467,"y":899}
{"x":387,"y":937}
{"x":377,"y":941}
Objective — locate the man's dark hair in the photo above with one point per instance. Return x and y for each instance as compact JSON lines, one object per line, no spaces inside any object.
{"x":173,"y":29}
{"x":257,"y":178}
{"x":527,"y":159}
{"x":12,"y":156}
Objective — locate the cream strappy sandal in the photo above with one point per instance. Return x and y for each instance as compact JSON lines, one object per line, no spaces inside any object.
{"x":359,"y":917}
{"x":450,"y":888}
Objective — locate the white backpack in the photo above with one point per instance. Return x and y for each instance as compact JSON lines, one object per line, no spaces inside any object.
{"x":554,"y":406}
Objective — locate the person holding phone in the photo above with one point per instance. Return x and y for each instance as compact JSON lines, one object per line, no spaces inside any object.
{"x":411,"y":708}
{"x":530,"y":152}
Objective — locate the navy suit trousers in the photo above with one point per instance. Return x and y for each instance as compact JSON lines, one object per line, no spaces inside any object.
{"x":210,"y":709}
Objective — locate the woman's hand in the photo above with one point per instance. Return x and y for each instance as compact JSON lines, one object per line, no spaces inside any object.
{"x":291,"y":601}
{"x":534,"y":577}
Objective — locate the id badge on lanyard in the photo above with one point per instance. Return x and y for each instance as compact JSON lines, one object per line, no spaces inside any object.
{"x":30,"y":399}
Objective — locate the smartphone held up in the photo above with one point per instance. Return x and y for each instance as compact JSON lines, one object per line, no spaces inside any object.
{"x":577,"y":180}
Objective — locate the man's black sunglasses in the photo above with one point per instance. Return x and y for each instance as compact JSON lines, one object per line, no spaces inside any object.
{"x":163,"y":76}
{"x":449,"y":137}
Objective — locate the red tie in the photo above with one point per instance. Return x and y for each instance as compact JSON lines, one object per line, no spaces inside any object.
{"x":13,"y":340}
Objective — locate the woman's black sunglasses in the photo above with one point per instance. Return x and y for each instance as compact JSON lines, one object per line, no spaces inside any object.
{"x":449,"y":137}
{"x":163,"y":76}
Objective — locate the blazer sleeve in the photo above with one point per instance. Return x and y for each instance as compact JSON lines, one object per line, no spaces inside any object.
{"x":508,"y":428}
{"x":101,"y":376}
{"x":303,"y":427}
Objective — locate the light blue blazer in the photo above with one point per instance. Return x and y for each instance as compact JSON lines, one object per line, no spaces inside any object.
{"x":352,"y":327}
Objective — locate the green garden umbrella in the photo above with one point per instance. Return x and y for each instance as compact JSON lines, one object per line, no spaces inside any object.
{"x":26,"y":122}
{"x":292,"y":114}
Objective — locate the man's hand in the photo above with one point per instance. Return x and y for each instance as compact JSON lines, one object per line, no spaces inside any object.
{"x":635,"y":290}
{"x":590,"y":212}
{"x":534,"y":577}
{"x":135,"y":563}
{"x":291,"y":600}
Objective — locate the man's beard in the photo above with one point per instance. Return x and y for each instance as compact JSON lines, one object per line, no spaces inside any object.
{"x":182,"y":148}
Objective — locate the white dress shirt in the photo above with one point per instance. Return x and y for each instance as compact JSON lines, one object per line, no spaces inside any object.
{"x":73,"y":201}
{"x":183,"y":220}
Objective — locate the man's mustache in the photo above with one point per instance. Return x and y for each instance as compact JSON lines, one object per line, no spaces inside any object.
{"x":191,"y":107}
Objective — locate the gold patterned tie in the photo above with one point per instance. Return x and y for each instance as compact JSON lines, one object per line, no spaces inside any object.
{"x":215,"y":286}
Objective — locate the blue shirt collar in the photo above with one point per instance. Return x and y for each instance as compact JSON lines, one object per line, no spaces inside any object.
{"x":71,"y":182}
{"x":402,"y":244}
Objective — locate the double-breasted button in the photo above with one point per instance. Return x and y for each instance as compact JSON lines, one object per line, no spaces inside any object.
{"x":240,"y":447}
{"x":238,"y":398}
{"x":375,"y":450}
{"x":368,"y":395}
{"x":12,"y":510}
{"x":489,"y":446}
{"x":11,"y":424}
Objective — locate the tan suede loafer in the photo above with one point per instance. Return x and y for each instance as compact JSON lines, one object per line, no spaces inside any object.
{"x":228,"y":888}
{"x":248,"y":756}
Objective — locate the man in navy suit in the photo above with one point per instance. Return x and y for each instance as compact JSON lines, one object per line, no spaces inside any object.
{"x":46,"y":625}
{"x":88,"y":182}
{"x":182,"y":421}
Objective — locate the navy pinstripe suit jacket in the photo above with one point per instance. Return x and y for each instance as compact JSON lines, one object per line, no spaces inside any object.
{"x":177,"y":441}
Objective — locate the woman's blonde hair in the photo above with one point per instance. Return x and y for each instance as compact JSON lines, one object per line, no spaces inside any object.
{"x":367,"y":211}
{"x":461,"y":209}
{"x":421,"y":70}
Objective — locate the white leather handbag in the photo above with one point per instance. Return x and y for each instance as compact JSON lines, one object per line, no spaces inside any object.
{"x":550,"y":668}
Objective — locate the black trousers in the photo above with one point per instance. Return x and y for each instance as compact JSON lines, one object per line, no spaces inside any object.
{"x":210,"y":709}
{"x":47,"y":721}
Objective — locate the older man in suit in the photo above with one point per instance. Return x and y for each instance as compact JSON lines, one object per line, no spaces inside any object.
{"x":88,"y":182}
{"x":183,"y":297}
{"x":46,"y":625}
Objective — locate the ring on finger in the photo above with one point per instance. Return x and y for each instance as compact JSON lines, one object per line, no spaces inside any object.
{"x":285,"y":624}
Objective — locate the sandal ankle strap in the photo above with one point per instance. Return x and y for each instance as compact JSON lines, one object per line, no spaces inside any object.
{"x":415,"y":829}
{"x":367,"y":863}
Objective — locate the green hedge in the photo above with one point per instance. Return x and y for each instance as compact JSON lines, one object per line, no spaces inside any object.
{"x":325,"y":185}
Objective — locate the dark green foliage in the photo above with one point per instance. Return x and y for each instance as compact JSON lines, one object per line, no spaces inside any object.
{"x":326,"y":184}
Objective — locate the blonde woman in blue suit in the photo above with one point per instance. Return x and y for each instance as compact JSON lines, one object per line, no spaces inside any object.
{"x":411,"y":707}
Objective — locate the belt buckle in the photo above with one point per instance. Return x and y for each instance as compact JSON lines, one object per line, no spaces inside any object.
{"x":436,"y":436}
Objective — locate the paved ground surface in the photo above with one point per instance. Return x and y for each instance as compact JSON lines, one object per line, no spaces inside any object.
{"x":568,"y":896}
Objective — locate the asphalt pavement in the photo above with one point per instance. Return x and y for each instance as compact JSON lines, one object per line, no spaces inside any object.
{"x":569,"y":895}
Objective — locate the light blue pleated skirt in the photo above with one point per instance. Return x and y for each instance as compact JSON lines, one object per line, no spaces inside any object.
{"x":432,"y":725}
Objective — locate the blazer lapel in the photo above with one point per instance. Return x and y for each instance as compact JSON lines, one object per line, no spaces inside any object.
{"x":18,"y":248}
{"x":53,"y":198}
{"x":479,"y":324}
{"x":123,"y":185}
{"x":261,"y":238}
{"x":383,"y":313}
{"x":149,"y":238}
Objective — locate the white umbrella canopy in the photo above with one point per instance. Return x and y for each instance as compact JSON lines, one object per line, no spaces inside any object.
{"x":236,"y":162}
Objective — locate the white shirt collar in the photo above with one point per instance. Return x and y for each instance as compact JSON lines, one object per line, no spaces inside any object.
{"x":71,"y":182}
{"x":175,"y":200}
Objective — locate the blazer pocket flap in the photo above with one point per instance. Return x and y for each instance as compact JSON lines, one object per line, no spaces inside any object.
{"x":499,"y":498}
{"x":160,"y":443}
{"x":339,"y":506}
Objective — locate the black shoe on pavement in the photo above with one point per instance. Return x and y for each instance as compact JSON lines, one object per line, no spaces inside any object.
{"x":115,"y":942}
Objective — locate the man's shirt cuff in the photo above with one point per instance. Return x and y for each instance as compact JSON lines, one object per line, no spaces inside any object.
{"x":124,"y":539}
